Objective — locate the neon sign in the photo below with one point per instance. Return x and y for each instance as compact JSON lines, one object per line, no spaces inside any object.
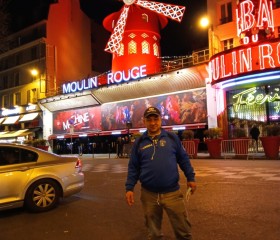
{"x":244,"y":60}
{"x":255,"y":19}
{"x":112,"y":78}
{"x":80,"y":85}
{"x":121,"y":76}
{"x":248,"y":97}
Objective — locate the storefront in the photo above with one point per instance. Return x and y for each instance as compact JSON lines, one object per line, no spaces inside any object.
{"x":114,"y":110}
{"x":247,"y":78}
{"x":20,"y":124}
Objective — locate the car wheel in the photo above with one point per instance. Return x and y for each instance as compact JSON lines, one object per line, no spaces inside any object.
{"x":42,"y":195}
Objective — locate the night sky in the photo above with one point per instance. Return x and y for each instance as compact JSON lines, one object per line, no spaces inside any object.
{"x":184,"y":37}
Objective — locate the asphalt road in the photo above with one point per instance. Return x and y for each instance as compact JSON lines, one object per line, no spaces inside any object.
{"x":235,"y":200}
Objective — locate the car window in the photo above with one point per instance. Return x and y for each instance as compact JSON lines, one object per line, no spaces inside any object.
{"x":9,"y":155}
{"x":13,"y":155}
{"x":28,"y":156}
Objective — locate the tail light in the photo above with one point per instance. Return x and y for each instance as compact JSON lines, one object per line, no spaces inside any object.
{"x":79,"y":164}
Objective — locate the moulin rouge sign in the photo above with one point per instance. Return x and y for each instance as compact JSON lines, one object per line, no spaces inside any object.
{"x":112,"y":78}
{"x":254,"y":24}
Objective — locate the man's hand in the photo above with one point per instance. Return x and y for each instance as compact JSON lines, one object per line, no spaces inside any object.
{"x":129,"y":198}
{"x":192,"y":185}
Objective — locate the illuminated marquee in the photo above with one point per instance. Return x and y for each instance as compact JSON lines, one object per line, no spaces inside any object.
{"x":244,"y":60}
{"x":248,"y":97}
{"x":252,"y":21}
{"x":112,"y":78}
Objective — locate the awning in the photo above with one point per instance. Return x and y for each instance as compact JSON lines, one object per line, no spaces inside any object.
{"x":17,"y":133}
{"x":69,"y":101}
{"x":168,"y":82}
{"x":11,"y":120}
{"x":29,"y":117}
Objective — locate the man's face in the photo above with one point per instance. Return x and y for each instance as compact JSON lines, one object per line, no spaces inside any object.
{"x":153,"y":124}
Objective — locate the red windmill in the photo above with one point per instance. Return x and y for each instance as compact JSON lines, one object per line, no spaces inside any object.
{"x":135,"y":38}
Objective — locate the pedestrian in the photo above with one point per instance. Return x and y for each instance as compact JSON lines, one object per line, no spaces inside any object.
{"x":120,"y":144}
{"x":255,"y":132}
{"x":153,"y":161}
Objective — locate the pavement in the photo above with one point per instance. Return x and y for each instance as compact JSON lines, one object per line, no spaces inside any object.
{"x":200,"y":155}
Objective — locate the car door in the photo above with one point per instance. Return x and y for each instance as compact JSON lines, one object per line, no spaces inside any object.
{"x":15,"y":171}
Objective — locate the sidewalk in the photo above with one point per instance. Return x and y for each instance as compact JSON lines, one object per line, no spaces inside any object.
{"x":200,"y":155}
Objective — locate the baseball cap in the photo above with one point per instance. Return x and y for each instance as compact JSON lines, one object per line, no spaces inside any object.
{"x":151,"y":111}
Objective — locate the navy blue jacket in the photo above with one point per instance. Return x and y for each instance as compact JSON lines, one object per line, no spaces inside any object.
{"x":154,"y":163}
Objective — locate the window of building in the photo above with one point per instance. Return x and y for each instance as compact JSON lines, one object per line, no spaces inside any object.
{"x":132,"y":47}
{"x":34,"y":53}
{"x":278,"y":32}
{"x":11,"y":102}
{"x":145,"y":47}
{"x":5,"y":82}
{"x":277,"y":3}
{"x":28,"y":96}
{"x":34,"y":95}
{"x":145,"y":17}
{"x":132,"y":35}
{"x":156,"y":49}
{"x":144,"y":35}
{"x":5,"y":101}
{"x":228,"y":44}
{"x":121,"y":53}
{"x":16,"y":79}
{"x":18,"y":98}
{"x":226,"y":13}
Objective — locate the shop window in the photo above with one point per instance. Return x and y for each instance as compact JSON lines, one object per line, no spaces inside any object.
{"x":228,"y":44}
{"x":145,"y":17}
{"x":145,"y":47}
{"x":226,"y":13}
{"x":156,"y":50}
{"x":132,"y":47}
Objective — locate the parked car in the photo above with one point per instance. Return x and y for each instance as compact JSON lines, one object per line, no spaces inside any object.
{"x":36,"y":179}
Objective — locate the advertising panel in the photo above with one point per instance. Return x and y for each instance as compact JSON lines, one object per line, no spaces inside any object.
{"x":176,"y":109}
{"x":78,"y":120}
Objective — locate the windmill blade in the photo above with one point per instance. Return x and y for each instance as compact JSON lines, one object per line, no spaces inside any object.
{"x":171,"y":11}
{"x":114,"y":43}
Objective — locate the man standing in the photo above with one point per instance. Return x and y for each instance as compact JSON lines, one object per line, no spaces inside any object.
{"x":153,"y":161}
{"x":255,"y":132}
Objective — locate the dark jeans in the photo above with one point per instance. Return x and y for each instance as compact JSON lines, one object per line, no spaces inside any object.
{"x":174,"y":206}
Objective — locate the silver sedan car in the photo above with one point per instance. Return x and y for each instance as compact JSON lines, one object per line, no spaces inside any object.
{"x":36,"y":179}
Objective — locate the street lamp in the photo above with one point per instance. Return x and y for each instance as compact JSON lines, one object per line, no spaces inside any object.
{"x":34,"y":72}
{"x":213,"y":39}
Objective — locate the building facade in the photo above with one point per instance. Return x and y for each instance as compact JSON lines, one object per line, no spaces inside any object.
{"x":35,"y":61}
{"x":244,"y":64}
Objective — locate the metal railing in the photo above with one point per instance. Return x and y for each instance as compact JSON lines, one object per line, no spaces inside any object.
{"x":242,"y":148}
{"x":189,"y":147}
